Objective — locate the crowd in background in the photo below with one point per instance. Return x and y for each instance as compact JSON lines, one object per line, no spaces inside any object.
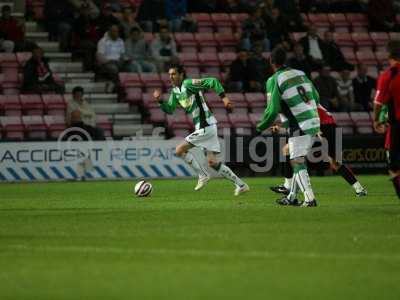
{"x":110,"y":38}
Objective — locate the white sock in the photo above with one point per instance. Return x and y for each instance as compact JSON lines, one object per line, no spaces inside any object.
{"x":293,"y":188}
{"x":288,"y":183}
{"x":303,"y":180}
{"x":190,"y":159}
{"x":225,"y":171}
{"x":358,"y":187}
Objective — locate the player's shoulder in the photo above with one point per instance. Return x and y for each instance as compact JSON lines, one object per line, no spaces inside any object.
{"x":193,"y":81}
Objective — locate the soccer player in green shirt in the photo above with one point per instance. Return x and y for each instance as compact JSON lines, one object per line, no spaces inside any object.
{"x":189,"y":94}
{"x":292,"y":94}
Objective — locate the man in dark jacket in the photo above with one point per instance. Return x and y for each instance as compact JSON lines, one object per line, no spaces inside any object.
{"x":312,"y":45}
{"x":333,"y":56}
{"x":38,"y":77}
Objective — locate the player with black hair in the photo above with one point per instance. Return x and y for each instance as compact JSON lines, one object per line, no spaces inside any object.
{"x":189,"y":94}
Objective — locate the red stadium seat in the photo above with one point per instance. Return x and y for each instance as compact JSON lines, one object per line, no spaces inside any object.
{"x":11,"y":82}
{"x":226,"y":58}
{"x":151,"y":80}
{"x":133,"y":95}
{"x":319,"y":19}
{"x":156,"y":115}
{"x":206,"y":41}
{"x":185,"y":39}
{"x":13,"y":128}
{"x":189,"y":59}
{"x":23,"y":57}
{"x":166,"y":80}
{"x":255,"y":118}
{"x":357,"y":20}
{"x":237,"y":100}
{"x":366,"y":57}
{"x":193,"y":72}
{"x":238,"y":18}
{"x":362,"y":39}
{"x":54,"y":104}
{"x":180,"y":132}
{"x":32,"y":104}
{"x":343,"y":119}
{"x":11,"y":105}
{"x":222,"y":22}
{"x":382,"y":57}
{"x":394,"y":35}
{"x":130,"y":80}
{"x":35,"y":127}
{"x":227,"y":41}
{"x":241,"y":123}
{"x":55,"y":125}
{"x":209,"y":60}
{"x":222,"y":119}
{"x":338,"y":20}
{"x":148,"y":101}
{"x":8,"y":61}
{"x":203,"y":19}
{"x":214,"y":101}
{"x":104,"y":123}
{"x":379,"y":38}
{"x":343,"y":39}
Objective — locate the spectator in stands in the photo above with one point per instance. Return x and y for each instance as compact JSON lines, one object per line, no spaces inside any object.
{"x":80,"y":114}
{"x":345,"y":91}
{"x":206,"y":6}
{"x":299,"y":61}
{"x":176,"y":14}
{"x":106,"y":19}
{"x":332,"y":54}
{"x":327,"y":89}
{"x":38,"y":77}
{"x":151,"y":15}
{"x":163,"y":49}
{"x":363,"y":85}
{"x":259,"y":69}
{"x":291,"y":14}
{"x":11,"y":30}
{"x":239,"y":73}
{"x":382,"y":16}
{"x":85,"y":37}
{"x":94,"y":10}
{"x":127,"y":22}
{"x":59,"y":21}
{"x":111,"y":54}
{"x":137,"y":52}
{"x":253,"y":31}
{"x":312,"y":45}
{"x":277,"y":31}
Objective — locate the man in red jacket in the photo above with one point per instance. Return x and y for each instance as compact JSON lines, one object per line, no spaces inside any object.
{"x":388,"y":93}
{"x":328,"y":129}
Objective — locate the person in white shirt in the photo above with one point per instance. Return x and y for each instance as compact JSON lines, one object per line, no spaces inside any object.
{"x":345,"y":91}
{"x":111,"y":54}
{"x":312,"y":45}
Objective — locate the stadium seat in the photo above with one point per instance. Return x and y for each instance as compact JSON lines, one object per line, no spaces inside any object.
{"x":166,"y":80}
{"x":338,"y":20}
{"x":319,"y":19}
{"x":178,"y":120}
{"x":104,"y":123}
{"x":130,"y":80}
{"x":366,"y":57}
{"x":226,"y":58}
{"x":379,"y":38}
{"x":148,"y":101}
{"x":222,"y":22}
{"x":13,"y":128}
{"x":227,"y":41}
{"x":203,"y":19}
{"x":343,"y":119}
{"x":238,"y":18}
{"x":193,"y":72}
{"x":209,"y":60}
{"x":180,"y":132}
{"x":343,"y":39}
{"x":189,"y":59}
{"x":35,"y":127}
{"x":54,"y":104}
{"x":133,"y":95}
{"x":156,"y":115}
{"x":382,"y":57}
{"x":55,"y":125}
{"x":32,"y":104}
{"x":11,"y":82}
{"x":357,"y":20}
{"x":394,"y":35}
{"x":151,"y":80}
{"x":239,"y":103}
{"x":223,"y":120}
{"x":8,"y":61}
{"x":350,"y":56}
{"x":206,"y":41}
{"x":214,"y":101}
{"x":11,"y":105}
{"x":255,"y":118}
{"x":23,"y":57}
{"x":362,"y":122}
{"x":241,"y":121}
{"x":362,"y":39}
{"x":184,"y":39}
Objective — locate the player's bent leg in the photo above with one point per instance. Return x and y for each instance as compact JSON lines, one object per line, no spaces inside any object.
{"x":225,"y":171}
{"x":182,"y":150}
{"x":349,"y":176}
{"x":303,"y":181}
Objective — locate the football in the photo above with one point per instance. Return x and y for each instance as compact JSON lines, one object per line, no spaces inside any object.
{"x":143,"y":188}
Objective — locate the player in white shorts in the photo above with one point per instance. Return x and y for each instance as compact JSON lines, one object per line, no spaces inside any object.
{"x":188,"y":93}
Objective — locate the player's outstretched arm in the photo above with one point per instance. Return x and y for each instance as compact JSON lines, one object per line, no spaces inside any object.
{"x":166,"y":106}
{"x":273,"y":107}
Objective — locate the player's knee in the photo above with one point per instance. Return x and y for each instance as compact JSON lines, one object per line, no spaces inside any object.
{"x":297,"y":161}
{"x":179,"y":150}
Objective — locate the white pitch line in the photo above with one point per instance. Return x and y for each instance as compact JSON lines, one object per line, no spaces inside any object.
{"x":202,"y":253}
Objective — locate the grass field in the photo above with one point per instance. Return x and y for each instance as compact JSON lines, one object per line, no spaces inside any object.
{"x":95,"y":240}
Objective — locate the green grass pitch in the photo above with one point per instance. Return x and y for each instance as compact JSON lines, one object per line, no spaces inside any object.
{"x":95,"y":240}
